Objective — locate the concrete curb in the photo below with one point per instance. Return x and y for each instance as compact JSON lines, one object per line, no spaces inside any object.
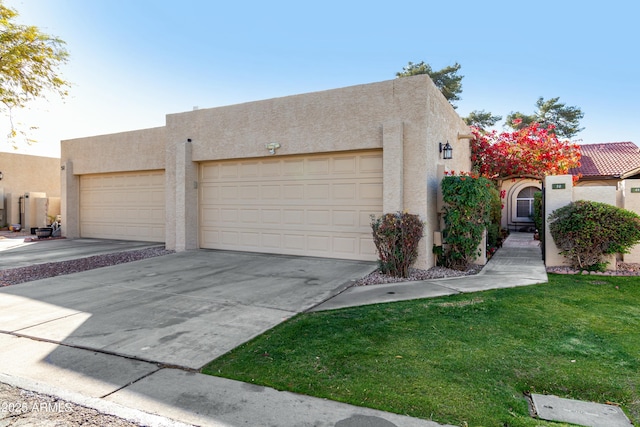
{"x":100,"y":405}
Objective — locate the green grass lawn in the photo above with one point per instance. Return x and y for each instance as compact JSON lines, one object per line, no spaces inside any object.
{"x":461,"y":359}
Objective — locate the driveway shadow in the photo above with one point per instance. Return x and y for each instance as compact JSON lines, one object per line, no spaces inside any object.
{"x":180,"y":310}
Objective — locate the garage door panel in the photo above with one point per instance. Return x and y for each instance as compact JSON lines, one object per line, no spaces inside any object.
{"x":345,"y":245}
{"x":345,"y":219}
{"x":249,"y":170}
{"x":345,"y":165}
{"x":293,"y":168}
{"x":249,"y":192}
{"x":318,"y":166}
{"x":271,"y":216}
{"x":293,"y":217}
{"x":316,"y":205}
{"x":127,"y":206}
{"x":318,"y":192}
{"x":319,"y":217}
{"x":229,"y":170}
{"x":270,"y":241}
{"x":250,"y":216}
{"x":210,"y":172}
{"x":251,"y":240}
{"x":370,"y":164}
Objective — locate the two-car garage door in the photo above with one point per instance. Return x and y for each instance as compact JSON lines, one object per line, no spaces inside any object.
{"x":124,"y":206}
{"x":316,"y":205}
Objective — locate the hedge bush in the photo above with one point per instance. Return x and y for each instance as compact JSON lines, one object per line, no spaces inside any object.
{"x":537,"y":210}
{"x":467,"y":212}
{"x":585,"y":231}
{"x":396,"y":236}
{"x":494,"y":228}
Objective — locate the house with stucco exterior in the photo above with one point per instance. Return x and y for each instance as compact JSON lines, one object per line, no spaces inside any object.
{"x":29,"y":189}
{"x":601,"y":165}
{"x":297,"y":175}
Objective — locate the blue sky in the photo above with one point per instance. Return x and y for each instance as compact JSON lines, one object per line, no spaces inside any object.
{"x":133,"y":61}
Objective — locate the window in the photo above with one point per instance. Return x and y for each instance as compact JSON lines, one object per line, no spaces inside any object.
{"x":524,"y":203}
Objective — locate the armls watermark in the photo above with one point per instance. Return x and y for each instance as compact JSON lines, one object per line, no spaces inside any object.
{"x":24,"y":407}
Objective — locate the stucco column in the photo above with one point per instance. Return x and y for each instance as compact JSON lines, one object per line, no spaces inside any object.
{"x":558,"y":193}
{"x":631,"y":202}
{"x":392,"y":166}
{"x":182,"y":180}
{"x":70,"y":201}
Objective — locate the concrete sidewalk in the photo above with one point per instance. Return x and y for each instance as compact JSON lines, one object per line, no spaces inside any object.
{"x":517,"y":263}
{"x":113,"y":384}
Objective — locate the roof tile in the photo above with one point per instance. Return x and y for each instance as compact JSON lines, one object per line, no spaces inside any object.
{"x":613,"y":159}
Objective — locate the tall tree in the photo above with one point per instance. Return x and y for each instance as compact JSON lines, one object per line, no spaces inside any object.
{"x":447,"y":79}
{"x":565,"y":119}
{"x":29,"y":62}
{"x":481,"y":119}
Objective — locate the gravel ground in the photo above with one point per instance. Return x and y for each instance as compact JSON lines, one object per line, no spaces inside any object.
{"x":377,"y":278}
{"x":14,"y":276}
{"x":622,"y":269}
{"x":25,"y":408}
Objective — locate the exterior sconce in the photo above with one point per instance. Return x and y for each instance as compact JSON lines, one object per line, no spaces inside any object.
{"x":1,"y":176}
{"x":446,"y":150}
{"x":272,"y":147}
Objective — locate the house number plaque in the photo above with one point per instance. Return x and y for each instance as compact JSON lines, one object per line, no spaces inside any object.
{"x":558,"y":186}
{"x":635,"y":189}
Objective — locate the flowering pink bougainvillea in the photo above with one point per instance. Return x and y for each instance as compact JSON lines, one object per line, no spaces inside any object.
{"x":533,"y":152}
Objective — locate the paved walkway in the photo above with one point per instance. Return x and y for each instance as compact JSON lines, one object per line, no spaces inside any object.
{"x":517,"y":263}
{"x":177,"y":394}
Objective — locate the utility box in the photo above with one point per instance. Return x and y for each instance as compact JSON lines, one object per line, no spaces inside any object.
{"x":34,"y":210}
{"x":3,"y":215}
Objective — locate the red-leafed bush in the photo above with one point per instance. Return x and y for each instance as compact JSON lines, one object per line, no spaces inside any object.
{"x":532,"y":151}
{"x":396,"y":236}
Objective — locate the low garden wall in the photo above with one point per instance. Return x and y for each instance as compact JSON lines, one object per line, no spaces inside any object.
{"x":560,"y":191}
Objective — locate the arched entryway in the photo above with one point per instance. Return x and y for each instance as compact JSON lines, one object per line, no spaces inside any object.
{"x":519,"y":207}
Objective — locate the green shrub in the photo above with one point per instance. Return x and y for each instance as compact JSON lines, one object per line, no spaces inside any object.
{"x":538,"y":214}
{"x":495,"y":219}
{"x":396,"y":236}
{"x":537,"y":210}
{"x":585,"y":231}
{"x":467,"y":212}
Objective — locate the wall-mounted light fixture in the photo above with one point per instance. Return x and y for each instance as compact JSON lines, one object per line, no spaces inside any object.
{"x":272,"y":147}
{"x":446,"y":150}
{"x":1,"y":176}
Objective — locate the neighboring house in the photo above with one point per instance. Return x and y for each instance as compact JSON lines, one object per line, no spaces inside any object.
{"x":604,"y":164}
{"x":607,"y":163}
{"x":297,"y":175}
{"x":29,"y":189}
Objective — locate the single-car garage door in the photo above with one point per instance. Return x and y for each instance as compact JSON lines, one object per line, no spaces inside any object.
{"x":316,"y":205}
{"x":124,"y":206}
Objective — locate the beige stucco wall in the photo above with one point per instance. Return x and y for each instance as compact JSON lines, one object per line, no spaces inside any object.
{"x":26,"y":174}
{"x":406,"y":117}
{"x":555,"y":199}
{"x":606,"y":194}
{"x":631,"y":201}
{"x":120,"y":152}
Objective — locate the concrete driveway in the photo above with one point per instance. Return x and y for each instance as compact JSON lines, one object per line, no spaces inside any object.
{"x":180,"y":310}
